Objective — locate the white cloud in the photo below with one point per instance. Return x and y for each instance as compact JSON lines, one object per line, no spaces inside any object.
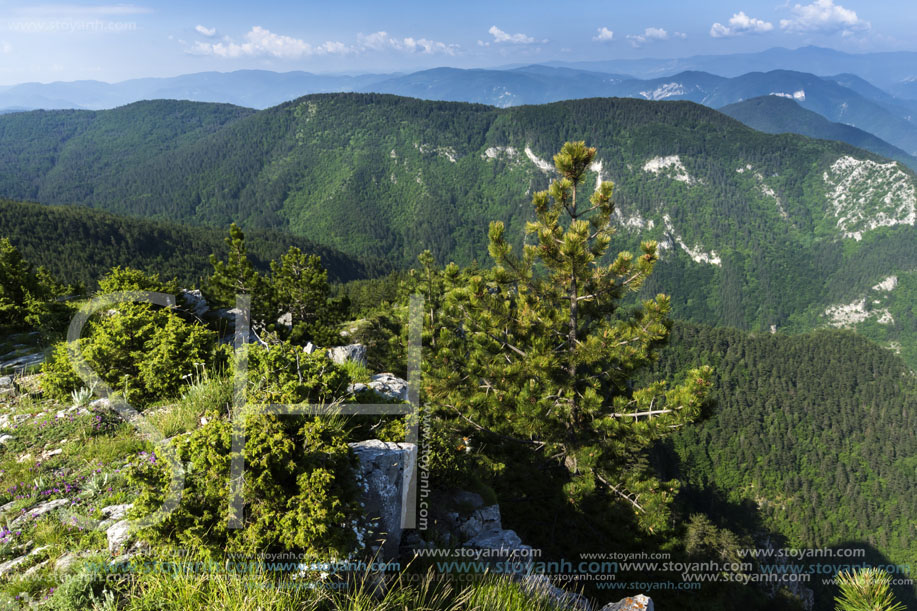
{"x":740,"y":23}
{"x":258,"y":41}
{"x":6,"y":47}
{"x":501,"y":36}
{"x":206,"y":31}
{"x":379,"y":41}
{"x":825,"y":17}
{"x":262,"y":42}
{"x":653,"y":34}
{"x":604,"y":34}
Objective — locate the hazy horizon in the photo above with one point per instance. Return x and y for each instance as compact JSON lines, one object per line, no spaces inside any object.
{"x":116,"y":42}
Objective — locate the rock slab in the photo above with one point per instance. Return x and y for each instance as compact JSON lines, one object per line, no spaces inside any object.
{"x":381,"y":474}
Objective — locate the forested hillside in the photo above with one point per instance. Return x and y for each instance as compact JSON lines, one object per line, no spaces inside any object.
{"x":79,"y":246}
{"x":756,"y":230}
{"x":818,"y":430}
{"x":779,"y":115}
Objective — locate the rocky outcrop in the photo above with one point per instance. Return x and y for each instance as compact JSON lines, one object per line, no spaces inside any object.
{"x":40,"y":510}
{"x":118,"y":535}
{"x":350,"y":352}
{"x":113,"y":514}
{"x":14,"y":564}
{"x":381,"y":474}
{"x":804,"y":594}
{"x":194,"y":302}
{"x":386,"y":385}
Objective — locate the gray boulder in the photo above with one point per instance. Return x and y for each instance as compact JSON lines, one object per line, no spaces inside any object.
{"x":286,"y":320}
{"x":497,"y":540}
{"x":66,"y":562}
{"x":118,"y":535}
{"x":195,"y":302}
{"x":40,"y":510}
{"x":386,"y":385}
{"x":482,"y":520}
{"x":114,"y":513}
{"x":350,"y":352}
{"x":382,"y":476}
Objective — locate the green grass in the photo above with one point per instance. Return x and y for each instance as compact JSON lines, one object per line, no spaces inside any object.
{"x":357,"y":372}
{"x":205,"y":395}
{"x":405,"y":591}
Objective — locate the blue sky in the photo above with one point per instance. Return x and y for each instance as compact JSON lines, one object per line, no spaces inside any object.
{"x":116,"y":41}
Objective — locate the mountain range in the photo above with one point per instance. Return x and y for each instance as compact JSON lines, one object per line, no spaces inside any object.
{"x":844,"y":92}
{"x":886,"y":69}
{"x":810,"y":435}
{"x":871,"y":110}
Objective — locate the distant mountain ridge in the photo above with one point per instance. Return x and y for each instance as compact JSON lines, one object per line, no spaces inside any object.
{"x":889,"y":119}
{"x":780,"y":115}
{"x":844,"y":91}
{"x":251,"y":88}
{"x":884,"y":68}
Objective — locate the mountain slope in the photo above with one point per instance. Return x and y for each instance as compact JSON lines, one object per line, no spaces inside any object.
{"x":814,"y":433}
{"x":779,"y":115}
{"x":755,"y":229}
{"x":61,"y":146}
{"x":80,"y":246}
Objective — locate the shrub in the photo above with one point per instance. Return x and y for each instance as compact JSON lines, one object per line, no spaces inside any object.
{"x":138,"y":349}
{"x":59,"y":380}
{"x":284,"y":373}
{"x":299,"y":492}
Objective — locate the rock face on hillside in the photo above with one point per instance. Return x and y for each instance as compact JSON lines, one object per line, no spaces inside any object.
{"x":386,"y":385}
{"x":381,"y":475}
{"x":350,"y":352}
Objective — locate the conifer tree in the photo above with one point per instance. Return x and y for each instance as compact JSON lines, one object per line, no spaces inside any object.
{"x":236,"y":275}
{"x":540,"y":351}
{"x":866,"y":590}
{"x":26,"y":294}
{"x":300,"y":286}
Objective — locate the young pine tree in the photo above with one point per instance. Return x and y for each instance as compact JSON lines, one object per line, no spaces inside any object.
{"x":866,"y":590}
{"x":540,"y":351}
{"x":26,"y":294}
{"x":300,"y":286}
{"x":236,"y":275}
